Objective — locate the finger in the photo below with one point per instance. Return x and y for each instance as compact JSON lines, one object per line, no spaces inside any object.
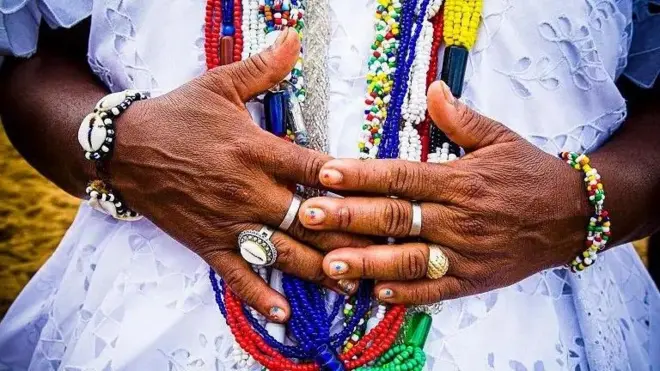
{"x":276,"y":206}
{"x":386,"y":262}
{"x":381,"y":216}
{"x":252,"y":76}
{"x":463,"y":125}
{"x":300,"y":260}
{"x":303,"y":262}
{"x":411,"y":180}
{"x":424,"y":291}
{"x":249,"y":287}
{"x":294,"y":164}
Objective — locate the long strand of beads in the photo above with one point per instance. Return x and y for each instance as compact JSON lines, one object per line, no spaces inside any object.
{"x":424,"y":131}
{"x":410,"y":35}
{"x":238,"y":33}
{"x":211,"y":33}
{"x":366,"y":350}
{"x":414,"y":108}
{"x":382,"y":65}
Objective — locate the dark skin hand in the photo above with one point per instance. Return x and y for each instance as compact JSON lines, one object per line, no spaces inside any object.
{"x":192,"y":160}
{"x":503,"y":212}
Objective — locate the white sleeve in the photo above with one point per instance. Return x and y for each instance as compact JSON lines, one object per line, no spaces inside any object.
{"x":20,"y":20}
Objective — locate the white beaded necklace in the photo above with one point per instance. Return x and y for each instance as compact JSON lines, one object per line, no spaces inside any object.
{"x":414,"y":106}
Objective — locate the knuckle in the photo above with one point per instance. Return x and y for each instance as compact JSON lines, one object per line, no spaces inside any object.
{"x":235,"y":278}
{"x":312,"y":167}
{"x":220,"y":79}
{"x":472,"y":226}
{"x":394,"y":219}
{"x":402,"y":179}
{"x":368,"y":267}
{"x":284,"y":251}
{"x":412,"y":263}
{"x":249,"y":70}
{"x":428,"y":294}
{"x":467,"y":187}
{"x":344,"y":217}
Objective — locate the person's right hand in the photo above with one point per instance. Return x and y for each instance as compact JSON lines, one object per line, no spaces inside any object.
{"x":194,"y":163}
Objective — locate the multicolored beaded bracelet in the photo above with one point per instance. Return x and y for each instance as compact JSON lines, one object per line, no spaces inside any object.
{"x":598,"y":230}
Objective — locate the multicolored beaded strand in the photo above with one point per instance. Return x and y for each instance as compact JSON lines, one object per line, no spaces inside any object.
{"x":598,"y":230}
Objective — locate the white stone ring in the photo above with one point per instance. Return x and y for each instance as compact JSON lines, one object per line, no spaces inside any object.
{"x":416,"y":227}
{"x":291,"y":213}
{"x":257,"y":248}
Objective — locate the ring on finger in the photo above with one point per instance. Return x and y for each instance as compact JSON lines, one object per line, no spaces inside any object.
{"x":291,"y":213}
{"x":257,"y":248}
{"x":416,"y":227}
{"x":438,"y":264}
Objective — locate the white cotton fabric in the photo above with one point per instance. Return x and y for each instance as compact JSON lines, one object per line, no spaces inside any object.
{"x":125,"y":296}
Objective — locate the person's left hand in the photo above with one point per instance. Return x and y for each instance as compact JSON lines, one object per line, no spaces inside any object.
{"x":504,"y":211}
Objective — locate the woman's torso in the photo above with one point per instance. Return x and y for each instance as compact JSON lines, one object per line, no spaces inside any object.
{"x":125,"y":295}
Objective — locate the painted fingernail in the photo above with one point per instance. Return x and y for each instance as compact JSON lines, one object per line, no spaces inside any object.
{"x":331,"y":176}
{"x":348,"y":286}
{"x":338,"y":267}
{"x":314,"y":216}
{"x":449,"y":97}
{"x":277,"y":314}
{"x":385,"y":294}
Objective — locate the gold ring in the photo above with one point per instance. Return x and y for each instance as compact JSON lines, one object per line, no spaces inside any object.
{"x":438,"y":263}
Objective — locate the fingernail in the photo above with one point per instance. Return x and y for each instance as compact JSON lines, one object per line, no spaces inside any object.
{"x":277,"y":314}
{"x":449,"y":97}
{"x":281,"y":37}
{"x":348,"y":286}
{"x":314,"y":216}
{"x":385,"y":294}
{"x":338,"y":267}
{"x":331,"y":176}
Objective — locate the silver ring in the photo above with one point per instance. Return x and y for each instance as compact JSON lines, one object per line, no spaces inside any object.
{"x":416,"y":228}
{"x":291,"y":213}
{"x":257,"y":248}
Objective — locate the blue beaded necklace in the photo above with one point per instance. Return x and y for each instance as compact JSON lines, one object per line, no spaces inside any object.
{"x":310,"y":323}
{"x":389,"y":147}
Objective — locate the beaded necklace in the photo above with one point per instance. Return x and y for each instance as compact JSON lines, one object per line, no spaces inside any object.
{"x":404,"y":32}
{"x":462,"y":20}
{"x":310,"y":322}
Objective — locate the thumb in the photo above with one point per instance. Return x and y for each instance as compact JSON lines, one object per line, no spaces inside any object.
{"x":461,"y":124}
{"x":251,"y":77}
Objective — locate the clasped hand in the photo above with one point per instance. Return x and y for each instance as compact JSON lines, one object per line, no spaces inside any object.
{"x":504,"y":211}
{"x":196,"y":165}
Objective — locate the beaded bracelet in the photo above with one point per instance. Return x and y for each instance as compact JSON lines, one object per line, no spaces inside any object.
{"x":103,"y":199}
{"x":96,"y":136}
{"x":598,"y":230}
{"x":97,"y":132}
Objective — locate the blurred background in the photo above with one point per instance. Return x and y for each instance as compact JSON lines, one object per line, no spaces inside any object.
{"x":34,"y":215}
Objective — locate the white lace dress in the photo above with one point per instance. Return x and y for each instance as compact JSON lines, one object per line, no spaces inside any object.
{"x":125,"y":296}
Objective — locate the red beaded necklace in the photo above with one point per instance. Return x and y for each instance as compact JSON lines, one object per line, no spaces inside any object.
{"x":424,"y":127}
{"x":369,"y":347}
